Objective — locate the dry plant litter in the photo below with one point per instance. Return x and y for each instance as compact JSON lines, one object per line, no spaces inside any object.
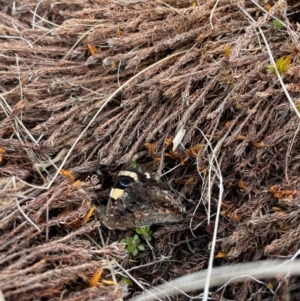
{"x":85,"y":85}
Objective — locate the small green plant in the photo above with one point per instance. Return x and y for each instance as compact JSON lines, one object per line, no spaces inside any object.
{"x":134,"y":164}
{"x":133,"y":244}
{"x":144,"y":232}
{"x":282,"y":65}
{"x":277,"y":24}
{"x":126,"y":281}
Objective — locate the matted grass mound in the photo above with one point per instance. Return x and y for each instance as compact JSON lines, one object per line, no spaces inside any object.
{"x":90,"y":84}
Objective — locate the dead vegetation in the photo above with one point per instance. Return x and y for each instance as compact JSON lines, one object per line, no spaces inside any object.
{"x":89,"y":83}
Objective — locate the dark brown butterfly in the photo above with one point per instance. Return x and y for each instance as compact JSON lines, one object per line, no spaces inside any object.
{"x":137,"y":200}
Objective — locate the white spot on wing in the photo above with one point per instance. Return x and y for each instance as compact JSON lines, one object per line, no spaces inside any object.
{"x":128,"y":173}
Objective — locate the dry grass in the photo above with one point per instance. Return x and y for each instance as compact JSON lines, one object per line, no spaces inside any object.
{"x":83,"y":87}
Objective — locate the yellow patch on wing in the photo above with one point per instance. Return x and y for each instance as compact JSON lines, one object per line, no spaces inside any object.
{"x":115,"y":193}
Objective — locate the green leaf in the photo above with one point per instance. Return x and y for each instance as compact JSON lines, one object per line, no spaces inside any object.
{"x":277,"y":24}
{"x":145,"y":232}
{"x":148,"y":236}
{"x":134,"y":164}
{"x":140,"y":230}
{"x":141,"y":247}
{"x":136,"y":238}
{"x":126,"y":281}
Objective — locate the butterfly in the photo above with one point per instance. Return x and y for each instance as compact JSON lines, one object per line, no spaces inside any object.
{"x":138,"y":200}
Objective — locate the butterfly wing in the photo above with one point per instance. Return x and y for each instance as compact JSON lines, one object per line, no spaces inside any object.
{"x":142,"y":205}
